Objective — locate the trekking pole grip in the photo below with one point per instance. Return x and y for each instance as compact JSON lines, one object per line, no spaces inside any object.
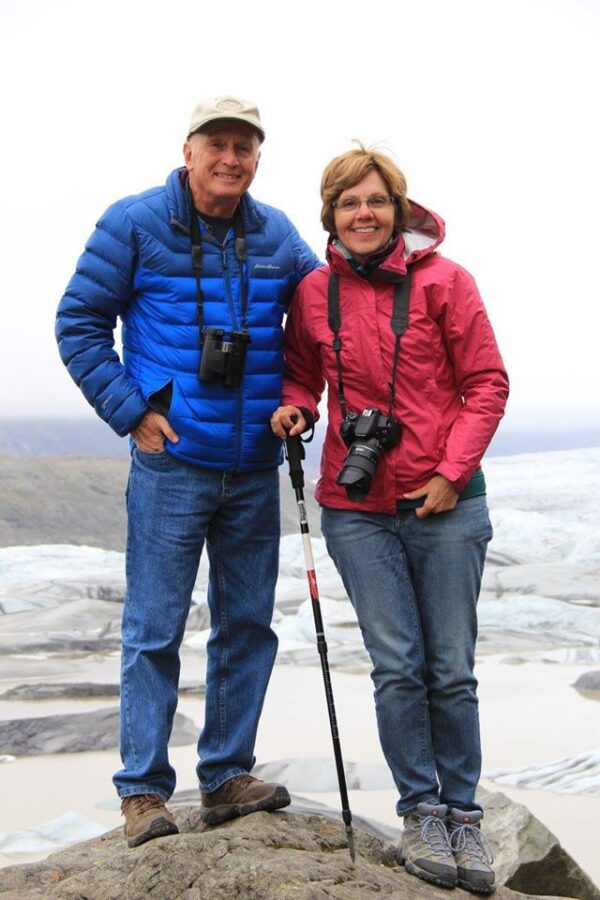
{"x":295,"y":455}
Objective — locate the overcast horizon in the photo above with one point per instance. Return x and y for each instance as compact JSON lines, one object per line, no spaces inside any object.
{"x":87,"y":414}
{"x":87,"y":436}
{"x":487,"y":108}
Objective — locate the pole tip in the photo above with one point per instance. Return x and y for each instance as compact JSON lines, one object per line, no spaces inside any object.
{"x":350,"y":839}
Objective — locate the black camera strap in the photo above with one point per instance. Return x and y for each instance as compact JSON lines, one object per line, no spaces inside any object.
{"x":399,"y":321}
{"x":240,"y":254}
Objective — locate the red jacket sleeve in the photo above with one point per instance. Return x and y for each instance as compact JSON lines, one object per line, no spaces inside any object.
{"x":480,"y":376}
{"x":303,"y":381}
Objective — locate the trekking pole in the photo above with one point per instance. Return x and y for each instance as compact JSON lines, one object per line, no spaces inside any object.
{"x":295,"y":453}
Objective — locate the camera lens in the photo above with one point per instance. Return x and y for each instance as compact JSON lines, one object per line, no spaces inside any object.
{"x":356,"y":474}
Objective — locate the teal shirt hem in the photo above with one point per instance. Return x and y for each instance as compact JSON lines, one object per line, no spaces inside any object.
{"x":475,"y":488}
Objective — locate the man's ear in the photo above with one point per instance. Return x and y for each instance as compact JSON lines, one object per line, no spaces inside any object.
{"x":187,"y":154}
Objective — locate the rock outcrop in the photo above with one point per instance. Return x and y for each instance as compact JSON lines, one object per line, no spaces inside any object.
{"x":588,"y":683}
{"x":73,"y":733}
{"x":529,"y":857}
{"x":266,"y":856}
{"x":68,"y":690}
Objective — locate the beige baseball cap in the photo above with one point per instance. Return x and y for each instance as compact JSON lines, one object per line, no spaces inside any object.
{"x":213,"y":108}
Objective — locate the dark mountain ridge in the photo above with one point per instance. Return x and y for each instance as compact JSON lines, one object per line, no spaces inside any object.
{"x":81,"y":500}
{"x":89,"y":436}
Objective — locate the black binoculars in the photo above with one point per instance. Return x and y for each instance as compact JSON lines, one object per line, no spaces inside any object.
{"x":223,"y":357}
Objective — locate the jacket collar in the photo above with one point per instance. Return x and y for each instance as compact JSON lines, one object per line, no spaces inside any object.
{"x":421,"y":237}
{"x":179,"y":215}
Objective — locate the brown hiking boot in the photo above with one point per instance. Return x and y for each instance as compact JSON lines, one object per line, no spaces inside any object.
{"x":240,"y":796}
{"x":146,"y":817}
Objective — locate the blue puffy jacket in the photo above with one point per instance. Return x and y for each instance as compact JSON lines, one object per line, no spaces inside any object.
{"x":137,"y":266}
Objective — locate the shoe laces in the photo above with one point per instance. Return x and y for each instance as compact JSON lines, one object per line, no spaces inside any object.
{"x":434,"y":834}
{"x":469,"y":837}
{"x":144,"y":802}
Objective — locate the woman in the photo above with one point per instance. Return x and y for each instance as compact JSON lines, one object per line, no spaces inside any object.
{"x":416,"y":388}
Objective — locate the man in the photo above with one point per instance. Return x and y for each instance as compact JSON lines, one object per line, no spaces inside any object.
{"x":201,"y":275}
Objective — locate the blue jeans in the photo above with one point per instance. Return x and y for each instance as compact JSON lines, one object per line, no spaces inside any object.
{"x":173,"y":508}
{"x":414,"y":584}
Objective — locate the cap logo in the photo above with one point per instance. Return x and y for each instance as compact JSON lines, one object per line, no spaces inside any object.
{"x":229,"y":106}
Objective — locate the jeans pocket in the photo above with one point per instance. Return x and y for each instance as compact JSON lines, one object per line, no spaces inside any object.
{"x":476,"y":513}
{"x":153,"y":459}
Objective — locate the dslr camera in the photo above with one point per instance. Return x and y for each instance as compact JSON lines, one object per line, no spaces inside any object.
{"x":367,"y":434}
{"x":223,"y":358}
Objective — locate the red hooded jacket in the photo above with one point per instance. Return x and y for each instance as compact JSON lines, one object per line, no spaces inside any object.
{"x":451,"y":385}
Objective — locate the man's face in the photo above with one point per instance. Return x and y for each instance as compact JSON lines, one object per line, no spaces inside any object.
{"x":221,"y":161}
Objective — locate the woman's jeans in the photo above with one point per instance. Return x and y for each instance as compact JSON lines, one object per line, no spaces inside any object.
{"x":414,"y":584}
{"x":173,"y":508}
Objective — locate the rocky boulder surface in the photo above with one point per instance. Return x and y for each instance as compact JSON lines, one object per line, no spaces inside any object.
{"x":66,"y":690}
{"x":527,"y":855}
{"x":588,"y":683}
{"x":266,"y":856}
{"x":77,"y":732}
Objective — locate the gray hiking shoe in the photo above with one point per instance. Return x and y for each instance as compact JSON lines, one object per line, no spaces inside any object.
{"x":240,"y":796}
{"x":146,"y":817}
{"x":425,"y":849}
{"x":471,"y":852}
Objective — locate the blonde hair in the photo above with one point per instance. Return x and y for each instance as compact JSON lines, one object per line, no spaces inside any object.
{"x":344,"y":171}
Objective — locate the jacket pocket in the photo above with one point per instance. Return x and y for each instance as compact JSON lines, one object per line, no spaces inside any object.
{"x":161,"y":399}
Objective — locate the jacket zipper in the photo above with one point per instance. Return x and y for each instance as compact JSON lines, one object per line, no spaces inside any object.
{"x":239,"y":403}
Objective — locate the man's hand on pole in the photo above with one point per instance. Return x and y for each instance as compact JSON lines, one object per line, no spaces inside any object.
{"x":150,"y":434}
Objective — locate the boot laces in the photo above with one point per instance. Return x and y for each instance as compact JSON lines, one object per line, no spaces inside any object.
{"x":144,"y":802}
{"x":469,"y":837}
{"x":242,"y":779}
{"x":434,"y":834}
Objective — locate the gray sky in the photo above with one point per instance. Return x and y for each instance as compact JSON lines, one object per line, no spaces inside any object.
{"x":490,"y":108}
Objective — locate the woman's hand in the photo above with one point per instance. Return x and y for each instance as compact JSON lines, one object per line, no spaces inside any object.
{"x":287,"y":421}
{"x":439,"y":495}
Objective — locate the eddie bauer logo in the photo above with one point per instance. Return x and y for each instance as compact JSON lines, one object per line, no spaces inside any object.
{"x":266,"y":266}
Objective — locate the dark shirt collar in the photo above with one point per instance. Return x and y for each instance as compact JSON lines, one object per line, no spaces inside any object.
{"x":373,"y":260}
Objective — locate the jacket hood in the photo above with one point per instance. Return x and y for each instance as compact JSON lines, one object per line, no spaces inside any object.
{"x":178,"y":205}
{"x":420,"y":237}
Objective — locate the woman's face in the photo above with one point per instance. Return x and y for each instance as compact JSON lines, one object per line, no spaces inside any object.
{"x":367,"y":228}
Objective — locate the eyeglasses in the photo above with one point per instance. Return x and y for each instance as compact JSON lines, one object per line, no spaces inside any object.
{"x":351,"y":204}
